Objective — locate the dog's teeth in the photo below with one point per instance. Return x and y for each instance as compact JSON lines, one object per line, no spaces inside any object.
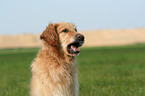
{"x":74,"y":48}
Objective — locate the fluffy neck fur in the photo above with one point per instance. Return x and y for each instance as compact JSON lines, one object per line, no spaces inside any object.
{"x":56,"y":51}
{"x":58,"y":66}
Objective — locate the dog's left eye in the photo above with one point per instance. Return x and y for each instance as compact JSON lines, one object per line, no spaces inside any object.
{"x":76,"y":30}
{"x":65,"y":30}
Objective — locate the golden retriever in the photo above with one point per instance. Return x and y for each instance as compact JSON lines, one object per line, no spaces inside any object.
{"x":54,"y":70}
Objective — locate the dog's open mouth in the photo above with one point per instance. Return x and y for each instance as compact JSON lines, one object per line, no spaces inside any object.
{"x":73,"y":47}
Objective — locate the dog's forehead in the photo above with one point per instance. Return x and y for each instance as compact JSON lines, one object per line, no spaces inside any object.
{"x":63,"y":25}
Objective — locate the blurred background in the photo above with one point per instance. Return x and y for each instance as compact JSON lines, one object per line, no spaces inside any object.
{"x":113,"y":52}
{"x":103,"y":22}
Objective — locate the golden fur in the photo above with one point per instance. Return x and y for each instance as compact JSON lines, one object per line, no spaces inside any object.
{"x":54,"y":70}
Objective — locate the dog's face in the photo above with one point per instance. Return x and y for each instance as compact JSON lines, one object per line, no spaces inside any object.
{"x":65,"y":35}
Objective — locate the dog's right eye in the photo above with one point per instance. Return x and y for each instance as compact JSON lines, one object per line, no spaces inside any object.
{"x":65,"y":30}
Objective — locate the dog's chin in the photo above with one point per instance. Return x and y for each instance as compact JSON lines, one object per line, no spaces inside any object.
{"x":73,"y":48}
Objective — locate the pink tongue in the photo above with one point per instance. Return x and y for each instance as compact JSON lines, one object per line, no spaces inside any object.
{"x":74,"y":48}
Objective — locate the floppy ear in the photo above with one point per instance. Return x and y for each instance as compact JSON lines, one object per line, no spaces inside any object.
{"x":50,"y":35}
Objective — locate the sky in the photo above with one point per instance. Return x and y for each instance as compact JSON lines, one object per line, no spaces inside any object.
{"x":32,"y":16}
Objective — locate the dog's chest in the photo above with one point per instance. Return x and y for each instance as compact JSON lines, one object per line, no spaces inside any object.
{"x":71,"y":90}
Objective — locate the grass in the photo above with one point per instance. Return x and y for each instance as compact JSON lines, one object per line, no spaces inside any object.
{"x":103,"y":71}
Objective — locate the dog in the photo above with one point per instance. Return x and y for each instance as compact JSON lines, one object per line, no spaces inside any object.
{"x":54,"y":71}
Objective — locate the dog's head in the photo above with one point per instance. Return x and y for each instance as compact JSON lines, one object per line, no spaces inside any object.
{"x":64,"y":35}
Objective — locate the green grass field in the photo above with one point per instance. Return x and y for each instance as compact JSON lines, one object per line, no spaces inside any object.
{"x":103,"y":71}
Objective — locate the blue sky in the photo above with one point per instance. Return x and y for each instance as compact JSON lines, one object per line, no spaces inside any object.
{"x":32,"y":16}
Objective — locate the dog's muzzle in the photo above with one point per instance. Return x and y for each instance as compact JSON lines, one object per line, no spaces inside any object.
{"x":73,"y":47}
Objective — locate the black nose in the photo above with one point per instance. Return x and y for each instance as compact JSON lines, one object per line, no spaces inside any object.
{"x":80,"y":37}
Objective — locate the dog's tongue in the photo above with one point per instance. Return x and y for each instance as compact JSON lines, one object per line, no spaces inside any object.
{"x":74,"y":48}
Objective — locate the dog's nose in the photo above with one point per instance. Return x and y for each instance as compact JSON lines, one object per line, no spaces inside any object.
{"x":80,"y":37}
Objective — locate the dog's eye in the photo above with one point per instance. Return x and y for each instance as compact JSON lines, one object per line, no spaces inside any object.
{"x":65,"y":30}
{"x":76,"y":30}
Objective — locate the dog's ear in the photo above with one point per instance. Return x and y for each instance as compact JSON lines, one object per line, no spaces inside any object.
{"x":50,"y":35}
